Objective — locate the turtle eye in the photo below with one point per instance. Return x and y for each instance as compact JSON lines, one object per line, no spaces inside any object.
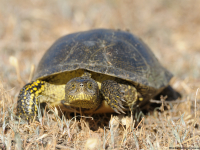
{"x":73,"y":86}
{"x":89,"y":84}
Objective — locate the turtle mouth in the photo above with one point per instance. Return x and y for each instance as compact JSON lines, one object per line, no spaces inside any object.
{"x":82,"y":100}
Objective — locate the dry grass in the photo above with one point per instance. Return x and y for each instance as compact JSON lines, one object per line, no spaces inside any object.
{"x":170,"y":28}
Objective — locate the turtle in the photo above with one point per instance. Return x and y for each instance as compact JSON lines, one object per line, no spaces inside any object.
{"x":95,"y":71}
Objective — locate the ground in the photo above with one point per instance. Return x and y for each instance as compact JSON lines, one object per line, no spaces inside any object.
{"x":170,"y":28}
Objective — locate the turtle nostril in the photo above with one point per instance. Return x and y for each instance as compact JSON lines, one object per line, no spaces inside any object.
{"x":81,"y":84}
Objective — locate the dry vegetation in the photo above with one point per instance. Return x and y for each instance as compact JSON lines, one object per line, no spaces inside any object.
{"x":170,"y":28}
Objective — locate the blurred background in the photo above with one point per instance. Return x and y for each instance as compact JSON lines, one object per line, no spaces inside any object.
{"x":170,"y":28}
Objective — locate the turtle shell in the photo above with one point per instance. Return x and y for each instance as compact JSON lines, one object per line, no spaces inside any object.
{"x":108,"y":52}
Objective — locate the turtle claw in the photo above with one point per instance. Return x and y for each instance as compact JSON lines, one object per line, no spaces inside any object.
{"x":123,"y":100}
{"x":123,"y":107}
{"x":119,"y":110}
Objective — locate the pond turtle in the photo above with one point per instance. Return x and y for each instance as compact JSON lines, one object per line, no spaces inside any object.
{"x":96,"y":71}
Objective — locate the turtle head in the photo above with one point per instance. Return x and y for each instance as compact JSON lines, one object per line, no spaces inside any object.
{"x":82,"y":92}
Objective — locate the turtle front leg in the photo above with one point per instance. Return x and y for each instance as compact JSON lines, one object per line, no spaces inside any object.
{"x":118,"y":95}
{"x":112,"y":93}
{"x":28,"y":99}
